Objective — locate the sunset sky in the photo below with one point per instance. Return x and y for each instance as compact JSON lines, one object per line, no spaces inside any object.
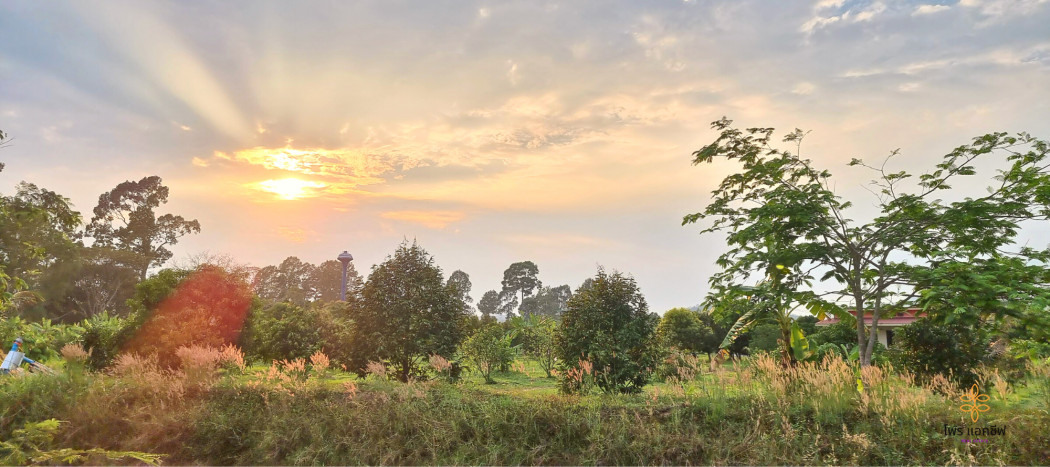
{"x":492,"y":132}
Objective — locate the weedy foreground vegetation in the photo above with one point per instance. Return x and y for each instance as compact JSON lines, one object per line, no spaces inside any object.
{"x":217,"y":410}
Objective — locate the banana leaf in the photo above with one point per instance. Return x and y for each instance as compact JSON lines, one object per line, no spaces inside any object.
{"x":741,"y":326}
{"x":799,"y":344}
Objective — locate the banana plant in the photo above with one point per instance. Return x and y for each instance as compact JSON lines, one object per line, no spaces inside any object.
{"x":773,"y":300}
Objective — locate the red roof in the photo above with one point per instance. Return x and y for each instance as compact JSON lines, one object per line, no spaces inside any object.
{"x":904,"y":317}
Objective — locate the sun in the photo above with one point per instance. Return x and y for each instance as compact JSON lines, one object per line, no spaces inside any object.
{"x":292,"y":188}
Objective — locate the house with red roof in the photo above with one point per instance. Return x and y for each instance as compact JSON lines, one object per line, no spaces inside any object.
{"x":887,"y":323}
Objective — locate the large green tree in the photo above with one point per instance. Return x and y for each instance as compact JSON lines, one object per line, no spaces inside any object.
{"x":461,"y":281}
{"x":13,"y":289}
{"x":326,"y":281}
{"x":125,"y":218}
{"x":497,"y":303}
{"x":289,"y":281}
{"x":609,"y":325}
{"x":521,"y":278}
{"x":489,"y":303}
{"x":408,"y":313}
{"x":683,"y":329}
{"x":281,"y":331}
{"x":37,"y":232}
{"x":207,"y":308}
{"x":788,"y":228}
{"x":549,"y":301}
{"x":104,"y":282}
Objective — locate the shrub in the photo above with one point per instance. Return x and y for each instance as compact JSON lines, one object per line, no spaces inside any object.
{"x":34,"y":444}
{"x":151,"y":292}
{"x":608,"y":325}
{"x":927,"y":348}
{"x":1029,"y":349}
{"x":74,"y":354}
{"x":104,"y":335}
{"x":487,"y":350}
{"x":829,"y":349}
{"x":333,"y":321}
{"x":682,"y":328}
{"x":840,"y":333}
{"x":808,"y":324}
{"x":677,"y":365}
{"x":376,"y":369}
{"x":536,"y":336}
{"x":281,"y":331}
{"x":208,"y":308}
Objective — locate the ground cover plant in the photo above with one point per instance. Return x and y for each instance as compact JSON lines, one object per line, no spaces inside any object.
{"x":214,"y":410}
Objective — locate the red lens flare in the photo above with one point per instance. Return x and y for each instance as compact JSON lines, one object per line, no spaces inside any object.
{"x":207,"y":309}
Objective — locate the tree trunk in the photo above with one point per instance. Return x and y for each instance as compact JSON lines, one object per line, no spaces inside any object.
{"x":862,"y":338}
{"x":873,"y":337}
{"x":406,"y":365}
{"x":873,"y":333}
{"x":785,"y":348}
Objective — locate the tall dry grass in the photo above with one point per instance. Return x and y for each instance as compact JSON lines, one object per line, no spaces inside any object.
{"x":74,"y":354}
{"x":376,"y":369}
{"x":320,"y":363}
{"x":753,"y":412}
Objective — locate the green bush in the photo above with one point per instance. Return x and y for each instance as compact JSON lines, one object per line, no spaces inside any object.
{"x":487,"y":350}
{"x":336,"y":327}
{"x":608,"y":326}
{"x":535,"y":335}
{"x":826,"y":349}
{"x":34,"y":443}
{"x":683,"y":329}
{"x":927,"y":348}
{"x":104,"y":336}
{"x":1029,"y":349}
{"x":152,"y":291}
{"x":841,"y":333}
{"x":32,"y":398}
{"x":808,"y":324}
{"x":281,"y":331}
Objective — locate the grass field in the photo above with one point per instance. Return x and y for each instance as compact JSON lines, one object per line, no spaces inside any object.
{"x":750,"y":413}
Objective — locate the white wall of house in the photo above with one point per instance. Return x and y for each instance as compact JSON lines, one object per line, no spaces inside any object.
{"x":883,"y":337}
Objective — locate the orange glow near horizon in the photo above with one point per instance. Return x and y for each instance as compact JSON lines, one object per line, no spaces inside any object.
{"x":291,"y":188}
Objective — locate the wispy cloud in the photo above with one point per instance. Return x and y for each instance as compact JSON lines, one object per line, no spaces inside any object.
{"x":839,"y":15}
{"x":930,"y":9}
{"x":1012,"y":57}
